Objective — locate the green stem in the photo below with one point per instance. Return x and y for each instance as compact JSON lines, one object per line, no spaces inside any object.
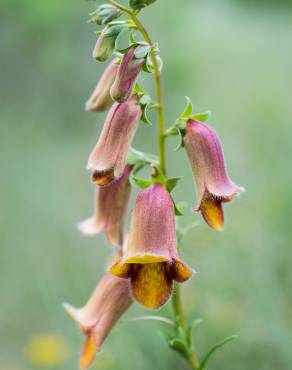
{"x":176,"y":299}
{"x":160,"y":107}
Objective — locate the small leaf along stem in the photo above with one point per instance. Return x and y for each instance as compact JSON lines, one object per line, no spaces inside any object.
{"x":180,"y":320}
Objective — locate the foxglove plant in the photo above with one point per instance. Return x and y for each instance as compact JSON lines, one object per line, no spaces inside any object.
{"x":146,"y":266}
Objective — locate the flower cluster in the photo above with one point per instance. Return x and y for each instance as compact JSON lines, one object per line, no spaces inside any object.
{"x":146,"y":261}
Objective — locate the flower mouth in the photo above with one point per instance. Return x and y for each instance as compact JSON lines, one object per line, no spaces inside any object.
{"x":103,"y":177}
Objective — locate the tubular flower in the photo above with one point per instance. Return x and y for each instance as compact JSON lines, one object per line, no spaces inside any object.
{"x":107,"y":304}
{"x":100,"y":100}
{"x":150,"y":257}
{"x":111,"y":203}
{"x":213,"y":184}
{"x":108,"y":158}
{"x":126,"y":76}
{"x":105,"y":44}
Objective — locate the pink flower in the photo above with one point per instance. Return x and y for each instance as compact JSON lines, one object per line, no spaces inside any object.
{"x":213,"y":184}
{"x":126,"y":77}
{"x":111,"y":205}
{"x":109,"y":301}
{"x":108,"y":158}
{"x":100,"y":100}
{"x":150,"y":259}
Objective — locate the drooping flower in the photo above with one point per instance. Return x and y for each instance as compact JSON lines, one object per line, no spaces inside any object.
{"x":213,"y":184}
{"x":150,"y":259}
{"x":111,"y":203}
{"x":108,"y":158}
{"x":126,"y":77}
{"x":109,"y":301}
{"x":101,"y":100}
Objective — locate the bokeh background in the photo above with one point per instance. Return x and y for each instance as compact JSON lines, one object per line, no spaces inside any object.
{"x":233,"y":57}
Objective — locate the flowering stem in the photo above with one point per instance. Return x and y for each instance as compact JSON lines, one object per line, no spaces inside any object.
{"x":180,"y":320}
{"x":160,"y":107}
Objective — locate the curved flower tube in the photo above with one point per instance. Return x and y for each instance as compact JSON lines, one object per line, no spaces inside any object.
{"x":150,"y":259}
{"x":126,"y":77}
{"x":101,"y":100}
{"x":111,"y":203}
{"x":213,"y":184}
{"x":107,"y":304}
{"x":108,"y":158}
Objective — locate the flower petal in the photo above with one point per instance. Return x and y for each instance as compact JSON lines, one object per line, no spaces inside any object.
{"x":89,"y":351}
{"x":212,"y":211}
{"x":181,"y":272}
{"x":151,"y":284}
{"x":120,"y":269}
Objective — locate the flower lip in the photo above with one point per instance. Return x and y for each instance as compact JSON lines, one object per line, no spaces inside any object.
{"x":103,"y":177}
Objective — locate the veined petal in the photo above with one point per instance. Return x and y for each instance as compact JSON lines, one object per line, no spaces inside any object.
{"x":151,"y":284}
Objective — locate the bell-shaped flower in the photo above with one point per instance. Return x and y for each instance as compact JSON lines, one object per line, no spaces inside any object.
{"x":150,"y":259}
{"x":107,"y":304}
{"x":108,"y":158}
{"x":101,"y":100}
{"x":111,"y":203}
{"x":126,"y":77}
{"x":213,"y":184}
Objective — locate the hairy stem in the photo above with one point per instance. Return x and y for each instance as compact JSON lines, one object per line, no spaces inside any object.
{"x":176,"y":299}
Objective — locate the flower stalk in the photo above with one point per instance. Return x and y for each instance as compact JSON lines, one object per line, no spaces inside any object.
{"x":176,"y":298}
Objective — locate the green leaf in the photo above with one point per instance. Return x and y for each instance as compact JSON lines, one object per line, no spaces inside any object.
{"x":214,"y":349}
{"x":144,"y":117}
{"x":188,"y":109}
{"x":203,"y":116}
{"x":172,"y":182}
{"x":181,"y":139}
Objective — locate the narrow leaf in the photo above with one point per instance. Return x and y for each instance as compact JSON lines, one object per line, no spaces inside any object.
{"x":214,"y":349}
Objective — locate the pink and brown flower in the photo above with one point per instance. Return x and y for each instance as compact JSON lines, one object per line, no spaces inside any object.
{"x":150,"y":259}
{"x":108,"y":159}
{"x":213,"y":184}
{"x":111,"y":203}
{"x":96,"y":319}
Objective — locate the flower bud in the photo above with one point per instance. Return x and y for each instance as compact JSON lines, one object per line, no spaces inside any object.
{"x":213,"y":184}
{"x":108,"y":158}
{"x":105,"y":43}
{"x":140,"y":4}
{"x":111,"y":203}
{"x":109,"y":301}
{"x":100,"y":100}
{"x":126,"y":76}
{"x":104,"y":14}
{"x":150,"y":259}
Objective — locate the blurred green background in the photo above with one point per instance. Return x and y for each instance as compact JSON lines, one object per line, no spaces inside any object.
{"x":233,"y":57}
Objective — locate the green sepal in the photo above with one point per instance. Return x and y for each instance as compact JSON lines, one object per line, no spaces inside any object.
{"x":203,"y":116}
{"x":178,"y":345}
{"x":213,"y":349}
{"x":141,"y":183}
{"x":172,"y":182}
